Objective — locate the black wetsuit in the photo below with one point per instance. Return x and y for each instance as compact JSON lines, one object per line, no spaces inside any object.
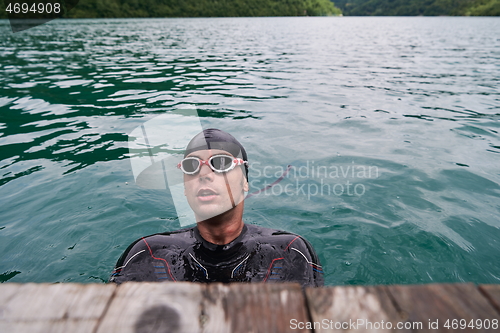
{"x":256,"y":255}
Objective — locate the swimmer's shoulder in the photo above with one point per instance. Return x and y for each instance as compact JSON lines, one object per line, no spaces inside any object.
{"x":178,"y":239}
{"x":301,"y":260}
{"x":281,"y":238}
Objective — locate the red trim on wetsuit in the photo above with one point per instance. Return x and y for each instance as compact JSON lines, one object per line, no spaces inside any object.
{"x":168,"y":266}
{"x":270,"y":267}
{"x":291,"y":242}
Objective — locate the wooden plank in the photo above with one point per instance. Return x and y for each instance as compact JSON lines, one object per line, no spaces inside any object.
{"x":435,"y":304}
{"x":352,"y":309}
{"x":56,"y":301}
{"x":492,"y":293}
{"x":7,"y":291}
{"x":154,"y":307}
{"x":53,"y":307}
{"x":213,"y":317}
{"x":218,"y":308}
{"x":255,"y":307}
{"x":48,"y":326}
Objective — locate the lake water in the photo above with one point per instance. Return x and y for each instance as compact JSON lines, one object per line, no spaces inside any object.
{"x":392,"y":126}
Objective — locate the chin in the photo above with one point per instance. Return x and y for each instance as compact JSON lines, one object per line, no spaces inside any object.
{"x":206,"y":213}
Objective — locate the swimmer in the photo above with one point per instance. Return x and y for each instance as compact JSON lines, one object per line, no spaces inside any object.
{"x":221,"y":247}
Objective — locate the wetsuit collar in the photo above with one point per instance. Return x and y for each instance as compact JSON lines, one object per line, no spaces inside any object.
{"x":222,"y":250}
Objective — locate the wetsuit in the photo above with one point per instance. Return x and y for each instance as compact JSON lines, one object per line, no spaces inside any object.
{"x":256,"y":255}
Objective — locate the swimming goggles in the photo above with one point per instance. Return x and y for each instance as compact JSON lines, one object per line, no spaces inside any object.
{"x":218,"y":163}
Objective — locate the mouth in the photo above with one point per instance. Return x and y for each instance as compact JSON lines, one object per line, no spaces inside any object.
{"x":206,"y":194}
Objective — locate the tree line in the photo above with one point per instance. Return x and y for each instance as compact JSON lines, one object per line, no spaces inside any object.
{"x":195,"y":8}
{"x":235,"y":8}
{"x":419,"y":7}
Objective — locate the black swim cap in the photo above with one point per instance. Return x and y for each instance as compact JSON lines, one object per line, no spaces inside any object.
{"x":213,"y":138}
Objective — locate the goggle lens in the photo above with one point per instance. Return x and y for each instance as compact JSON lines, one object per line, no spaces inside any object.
{"x":221,"y":163}
{"x":190,"y":165}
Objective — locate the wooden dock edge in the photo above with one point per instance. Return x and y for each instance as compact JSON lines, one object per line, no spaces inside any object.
{"x":240,"y":307}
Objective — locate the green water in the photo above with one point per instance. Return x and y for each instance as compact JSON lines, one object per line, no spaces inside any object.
{"x":411,"y":105}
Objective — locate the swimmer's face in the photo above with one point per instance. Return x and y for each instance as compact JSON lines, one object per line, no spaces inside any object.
{"x":211,"y":193}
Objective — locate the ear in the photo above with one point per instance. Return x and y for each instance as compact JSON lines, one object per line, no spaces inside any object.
{"x":245,"y":184}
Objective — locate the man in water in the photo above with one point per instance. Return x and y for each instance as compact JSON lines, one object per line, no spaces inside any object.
{"x":221,"y":247}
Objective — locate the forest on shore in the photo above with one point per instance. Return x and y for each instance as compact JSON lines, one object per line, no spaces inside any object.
{"x":194,"y":8}
{"x":202,"y":8}
{"x":419,"y":7}
{"x":237,"y":8}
